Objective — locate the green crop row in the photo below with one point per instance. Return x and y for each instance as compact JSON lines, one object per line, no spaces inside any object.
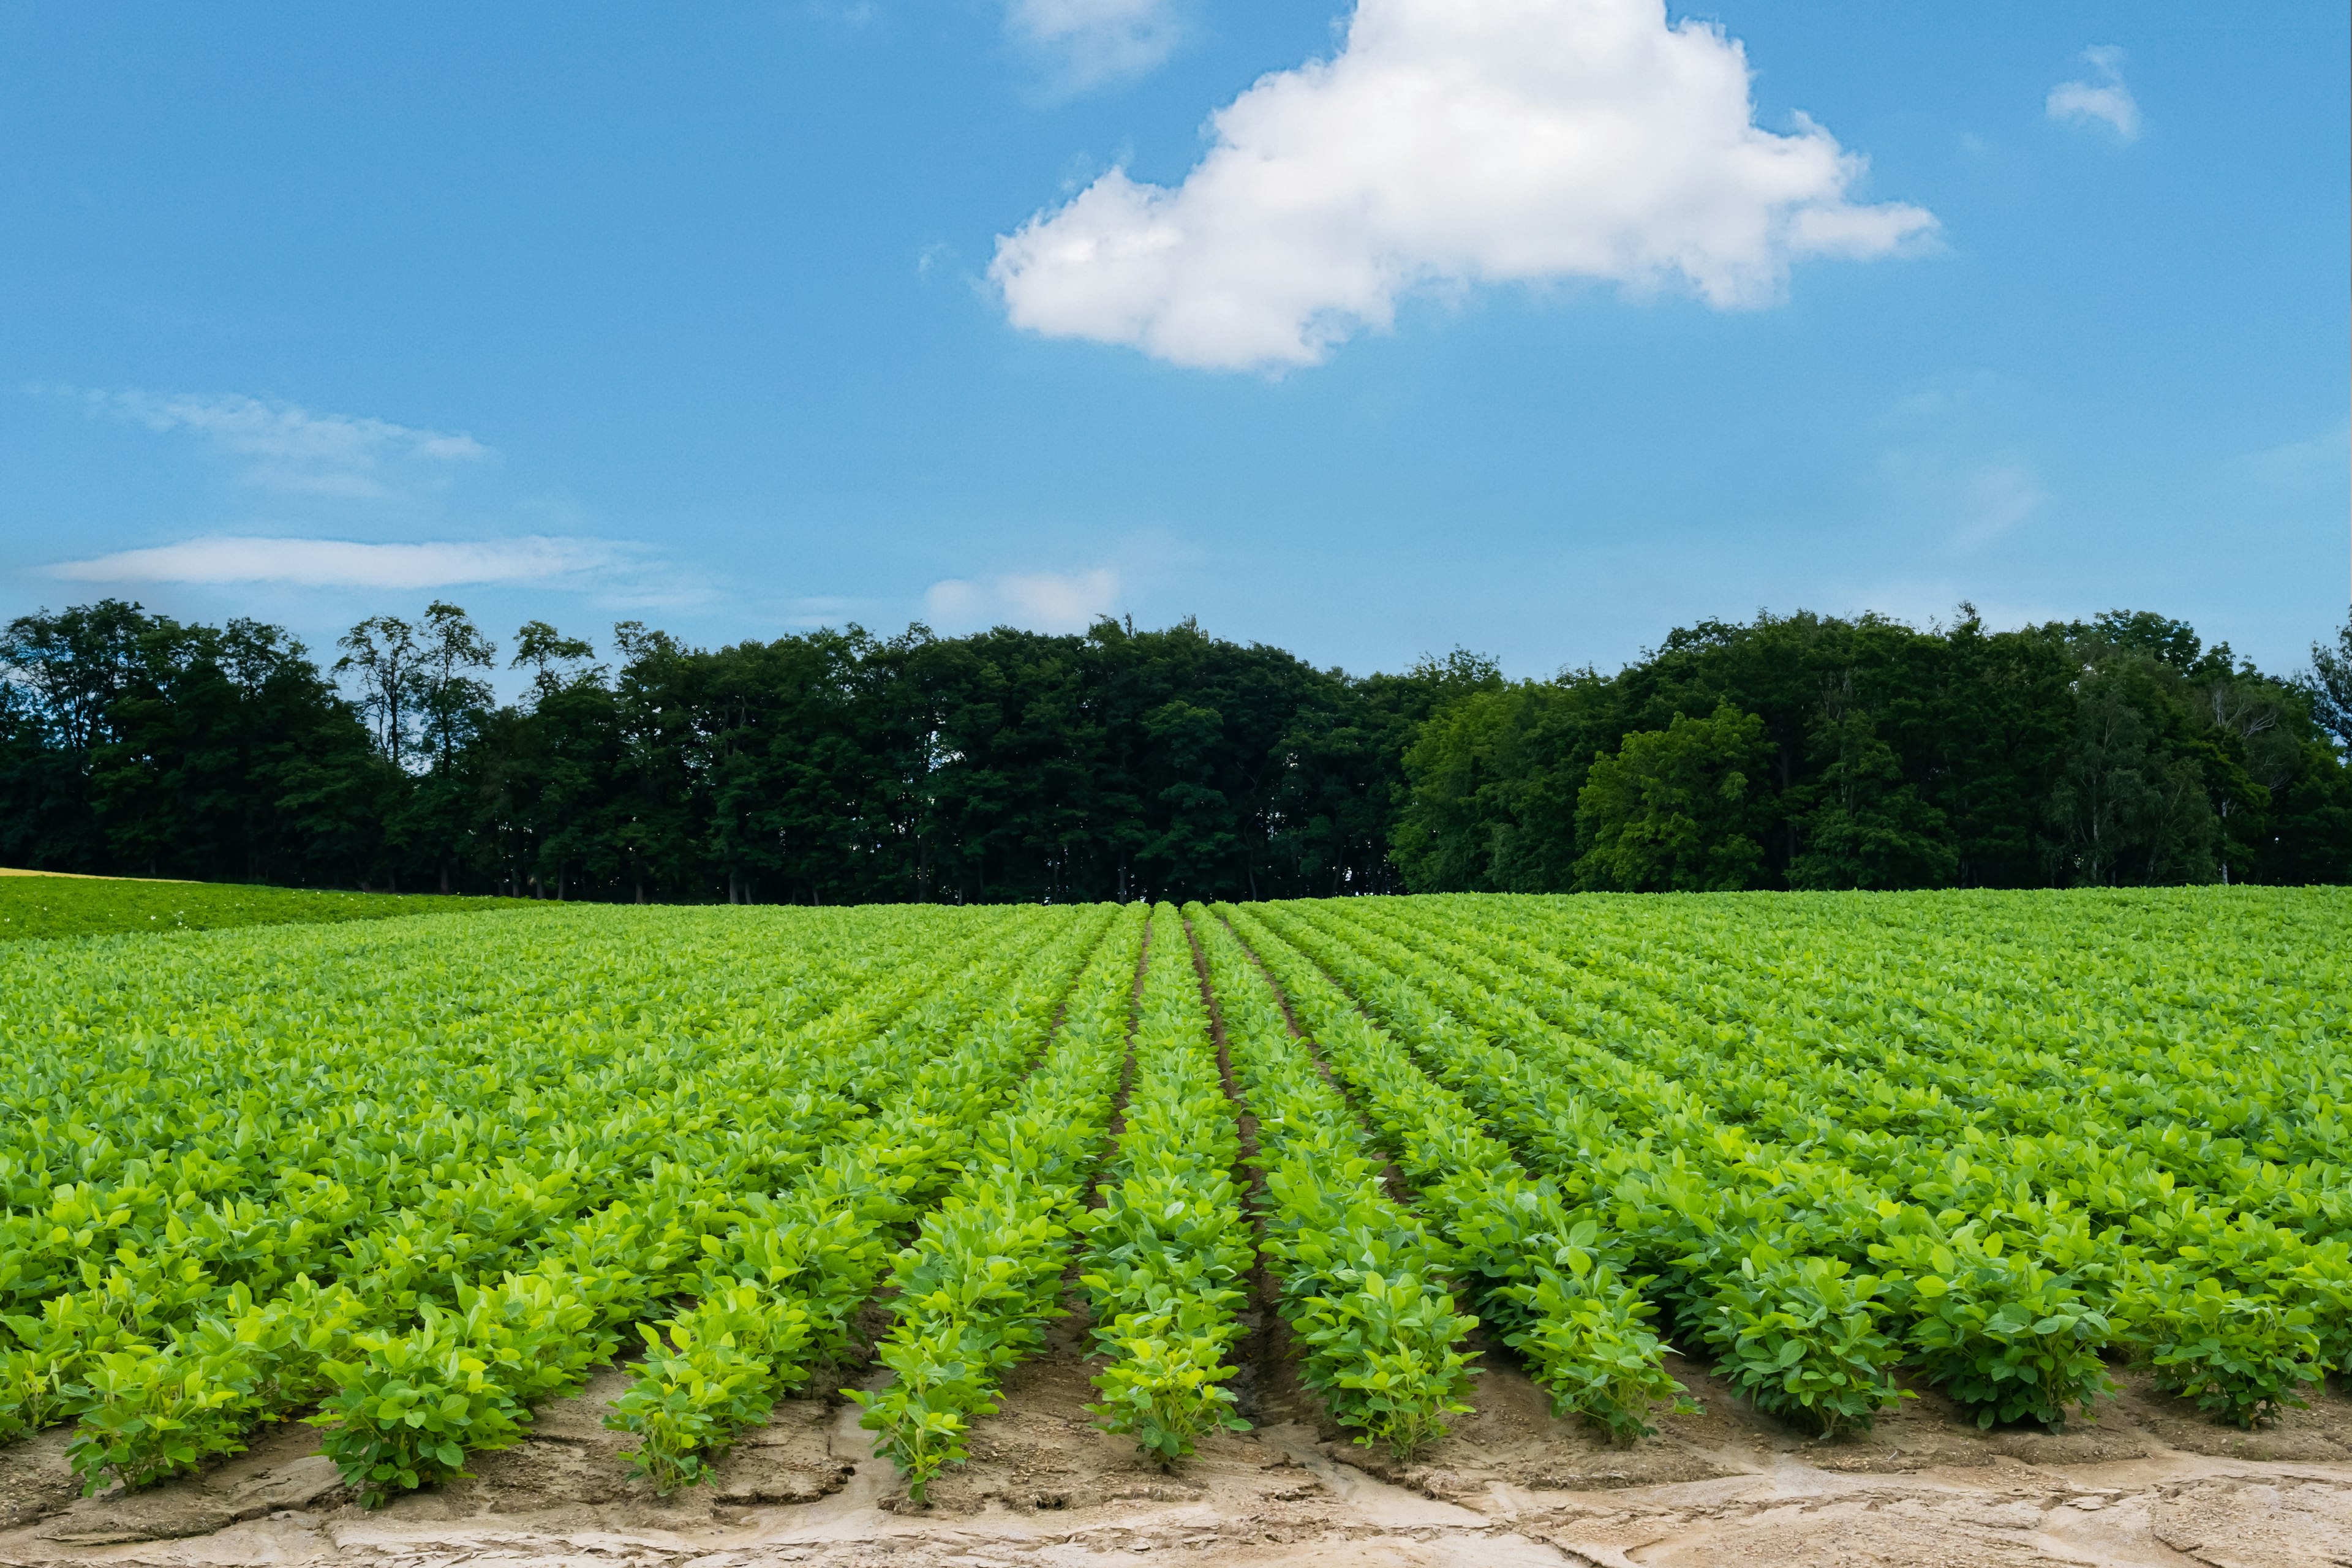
{"x":1168,"y":1255}
{"x":974,"y":1288}
{"x":38,"y":906}
{"x":425,"y":1280}
{"x":2224,"y":1306}
{"x":775,"y":1294}
{"x":1550,"y":1280}
{"x":406,"y":1179}
{"x":2006,"y":1303}
{"x":1366,"y":1284}
{"x":254,"y":1149}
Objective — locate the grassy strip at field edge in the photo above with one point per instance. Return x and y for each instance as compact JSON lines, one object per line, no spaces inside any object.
{"x":36,"y":907}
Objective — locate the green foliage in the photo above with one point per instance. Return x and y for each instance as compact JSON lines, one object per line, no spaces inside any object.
{"x":1366,"y":1284}
{"x":145,"y":1418}
{"x":710,"y":1374}
{"x":1168,"y":1249}
{"x":1121,"y":762}
{"x":1542,"y":1279}
{"x":1494,"y":777}
{"x":778,"y":1288}
{"x":1588,"y":1341}
{"x":2003,"y":1267}
{"x":2006,"y":1338}
{"x":1801,"y":1337}
{"x":972,"y":1291}
{"x":2241,"y":1357}
{"x":419,"y":1177}
{"x":1384,"y":1353}
{"x":1676,"y":810}
{"x":73,"y":906}
{"x":1168,"y":1362}
{"x":2119,"y":750}
{"x":2329,"y":686}
{"x":1868,"y":827}
{"x":985,"y":1268}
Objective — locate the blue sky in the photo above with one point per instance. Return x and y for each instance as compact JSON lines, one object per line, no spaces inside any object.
{"x":1529,"y":325}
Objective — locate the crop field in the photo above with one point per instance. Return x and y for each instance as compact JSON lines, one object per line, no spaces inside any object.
{"x":391,"y":1191}
{"x":34,"y":904}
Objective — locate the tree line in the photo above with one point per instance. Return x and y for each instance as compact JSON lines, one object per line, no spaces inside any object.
{"x":838,"y":766}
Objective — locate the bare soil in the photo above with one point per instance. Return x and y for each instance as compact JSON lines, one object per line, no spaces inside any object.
{"x":2150,"y":1482}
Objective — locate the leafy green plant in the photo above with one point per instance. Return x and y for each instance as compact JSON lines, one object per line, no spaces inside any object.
{"x":1165,"y":1383}
{"x":2245,"y":1359}
{"x":1801,"y":1336}
{"x":2006,"y":1339}
{"x":984,"y":1269}
{"x":714,"y":1372}
{"x":1366,"y":1284}
{"x":1168,"y":1245}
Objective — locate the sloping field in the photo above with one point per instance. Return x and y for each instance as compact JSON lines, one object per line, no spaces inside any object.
{"x":1968,"y":1228}
{"x":47,"y":903}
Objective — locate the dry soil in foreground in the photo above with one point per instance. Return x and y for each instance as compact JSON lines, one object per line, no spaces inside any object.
{"x":2150,"y":1483}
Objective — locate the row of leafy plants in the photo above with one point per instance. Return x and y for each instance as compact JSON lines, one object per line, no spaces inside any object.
{"x":499,"y":1262}
{"x":2007,"y":1306}
{"x":1739,"y":1273}
{"x":2224,"y":1305}
{"x":408,"y":1407}
{"x":1550,"y":1280}
{"x":251,"y":1110}
{"x":2219,"y":1070}
{"x":1366,"y":1285}
{"x":973,"y":1290}
{"x":775,"y":1296}
{"x":1169,"y":1254}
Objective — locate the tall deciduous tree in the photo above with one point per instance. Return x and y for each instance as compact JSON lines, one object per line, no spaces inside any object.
{"x":383,"y":658}
{"x":2330,"y":685}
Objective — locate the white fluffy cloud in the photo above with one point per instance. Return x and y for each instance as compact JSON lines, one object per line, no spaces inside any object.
{"x":288,"y":448}
{"x":1450,"y":142}
{"x":1037,"y":601}
{"x":1096,"y":41}
{"x":2105,"y":98}
{"x":346,"y":563}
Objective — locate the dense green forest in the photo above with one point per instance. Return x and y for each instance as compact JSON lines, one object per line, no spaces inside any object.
{"x":1803,"y":751}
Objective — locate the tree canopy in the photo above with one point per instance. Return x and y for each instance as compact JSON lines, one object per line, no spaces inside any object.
{"x":2120,"y":749}
{"x":838,"y":766}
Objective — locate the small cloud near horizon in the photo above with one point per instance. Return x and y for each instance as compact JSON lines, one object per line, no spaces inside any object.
{"x":219,"y":559}
{"x":1052,"y":602}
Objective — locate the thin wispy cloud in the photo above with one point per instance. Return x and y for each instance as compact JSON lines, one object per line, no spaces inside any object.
{"x":225,"y":559}
{"x":1054,"y":602}
{"x":1450,"y":144}
{"x":2102,"y":100}
{"x":2320,"y":456}
{"x":1993,"y":500}
{"x":291,"y":450}
{"x":1087,"y":43}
